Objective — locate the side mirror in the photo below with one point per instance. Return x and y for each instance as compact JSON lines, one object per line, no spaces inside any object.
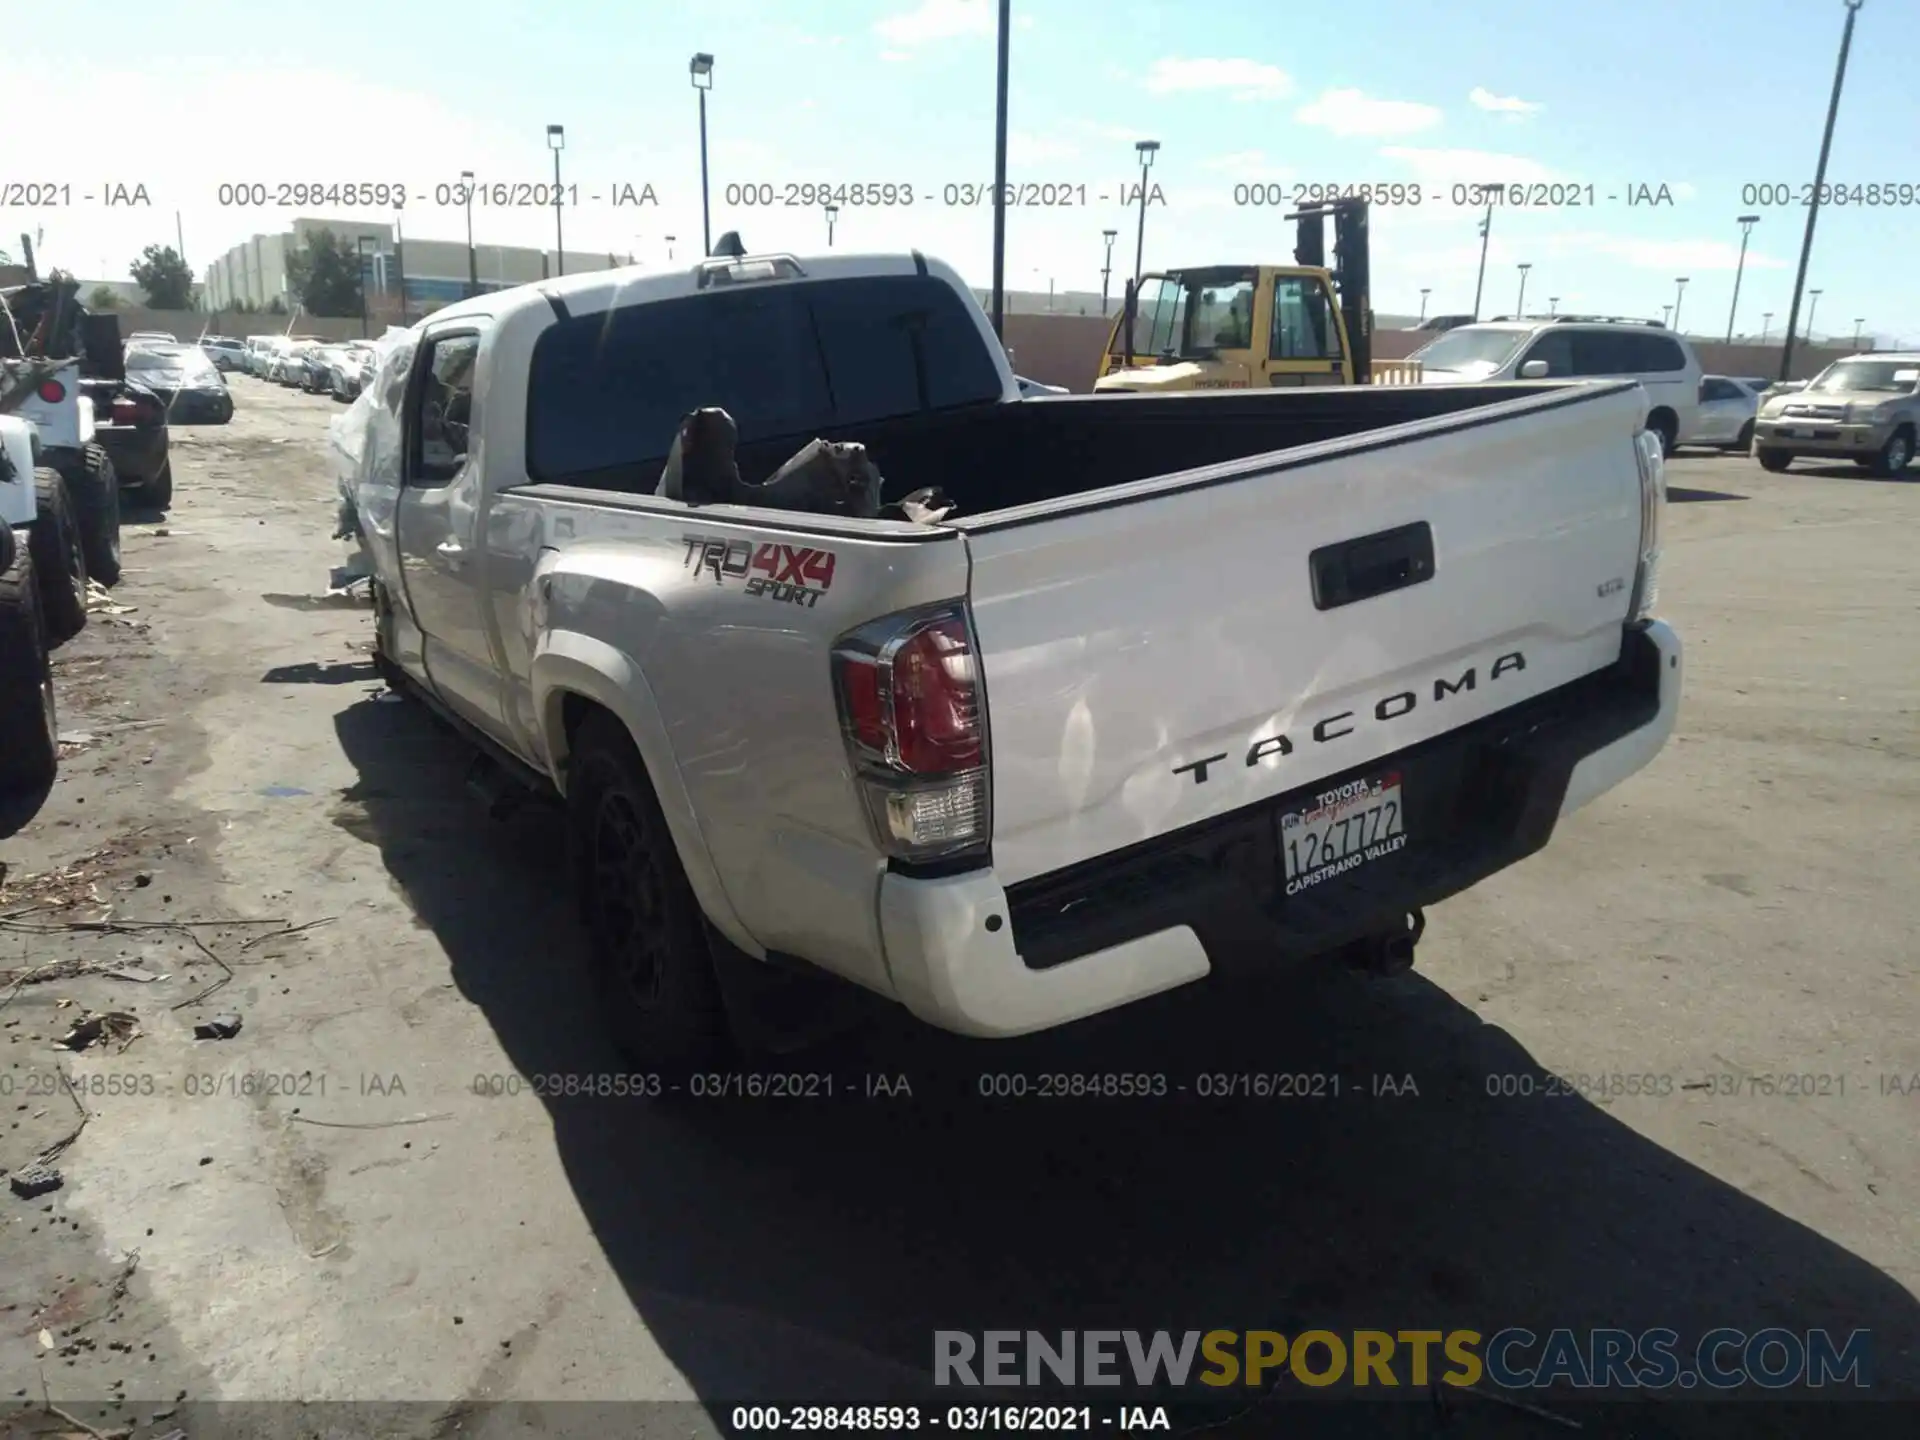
{"x":1534,"y":370}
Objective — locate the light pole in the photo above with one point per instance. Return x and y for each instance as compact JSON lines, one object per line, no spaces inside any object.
{"x":1766,"y":324}
{"x":556,"y":142}
{"x":669,"y":240}
{"x":833,"y":212}
{"x":1479,"y":284}
{"x":1819,"y":184}
{"x":1553,"y":305}
{"x":360,"y":245}
{"x":1746,"y":224}
{"x":473,"y":259}
{"x":1001,"y":43}
{"x":1423,"y":303}
{"x":1106,"y":270}
{"x":1857,"y":323}
{"x":400,"y":263}
{"x":1147,"y":150}
{"x":1520,"y":306}
{"x":700,"y":69}
{"x":1813,"y":304}
{"x":1666,"y":315}
{"x":1680,"y":288}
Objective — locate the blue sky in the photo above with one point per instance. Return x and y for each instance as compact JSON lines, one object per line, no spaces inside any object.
{"x":1702,"y":96}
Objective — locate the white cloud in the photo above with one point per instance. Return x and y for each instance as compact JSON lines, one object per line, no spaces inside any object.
{"x":1485,"y":99}
{"x":1446,"y":167}
{"x":939,"y":20}
{"x":1244,"y":79}
{"x":1249,"y":165}
{"x":1095,"y":130}
{"x":894,"y":57}
{"x":1672,"y":256}
{"x":1351,"y":112}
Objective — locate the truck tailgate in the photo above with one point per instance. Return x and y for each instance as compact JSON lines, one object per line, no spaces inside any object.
{"x":1163,"y":653}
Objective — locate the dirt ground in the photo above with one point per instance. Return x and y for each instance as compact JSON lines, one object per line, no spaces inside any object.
{"x":346,"y":1202}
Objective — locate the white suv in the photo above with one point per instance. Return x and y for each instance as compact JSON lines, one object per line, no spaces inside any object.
{"x":1559,"y":347}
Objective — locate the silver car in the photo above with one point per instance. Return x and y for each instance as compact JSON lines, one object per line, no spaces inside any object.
{"x":1727,"y":408}
{"x":1865,"y":408}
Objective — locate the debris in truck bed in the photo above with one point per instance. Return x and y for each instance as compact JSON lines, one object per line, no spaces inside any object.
{"x":700,"y":467}
{"x":825,"y":477}
{"x":217,"y":1027}
{"x":89,"y":1030}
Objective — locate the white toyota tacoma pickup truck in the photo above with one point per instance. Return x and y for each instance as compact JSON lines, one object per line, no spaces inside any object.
{"x":1184,"y":685}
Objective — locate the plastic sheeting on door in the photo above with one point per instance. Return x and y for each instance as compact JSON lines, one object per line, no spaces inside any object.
{"x":365,"y":443}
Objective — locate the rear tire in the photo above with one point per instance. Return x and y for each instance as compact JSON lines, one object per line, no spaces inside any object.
{"x":1743,"y":442}
{"x":1896,"y":454}
{"x":96,"y":503}
{"x":647,"y":936}
{"x":59,"y":560}
{"x":1774,"y":460}
{"x":29,"y":723}
{"x":157,"y":493}
{"x":1667,"y":428}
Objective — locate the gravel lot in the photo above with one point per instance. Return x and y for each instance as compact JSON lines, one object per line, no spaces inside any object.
{"x":364,"y":1226}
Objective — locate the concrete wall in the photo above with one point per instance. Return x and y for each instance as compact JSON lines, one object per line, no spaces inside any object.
{"x":1065,"y":350}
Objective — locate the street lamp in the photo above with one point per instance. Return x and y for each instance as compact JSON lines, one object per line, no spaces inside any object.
{"x":1666,"y":315}
{"x":669,"y":249}
{"x":1147,"y":150}
{"x":1002,"y":38}
{"x":473,"y":260}
{"x":556,"y":142}
{"x":1486,"y":230}
{"x":1553,"y":305}
{"x":360,"y":245}
{"x":833,"y":213}
{"x":400,"y":261}
{"x":1819,"y":182}
{"x":1858,"y":322}
{"x":1520,"y":308}
{"x":1106,"y":268}
{"x":1766,"y":324}
{"x":1813,"y":304}
{"x":1746,"y":224}
{"x":700,"y":69}
{"x":1423,"y":303}
{"x":1680,"y":284}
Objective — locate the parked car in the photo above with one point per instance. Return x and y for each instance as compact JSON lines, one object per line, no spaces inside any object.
{"x":133,"y":434}
{"x":29,"y":722}
{"x":226,"y":353}
{"x":1727,"y":408}
{"x":160,"y":335}
{"x":289,"y":363}
{"x":981,"y":770}
{"x":258,"y":350}
{"x":1444,"y":322}
{"x":351,"y":369}
{"x":1576,"y":347}
{"x":189,"y":386}
{"x":1865,"y":408}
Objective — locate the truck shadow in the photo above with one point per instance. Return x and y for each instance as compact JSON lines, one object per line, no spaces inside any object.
{"x":810,"y":1248}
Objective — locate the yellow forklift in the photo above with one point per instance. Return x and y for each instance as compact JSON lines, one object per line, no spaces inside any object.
{"x":1242,"y":327}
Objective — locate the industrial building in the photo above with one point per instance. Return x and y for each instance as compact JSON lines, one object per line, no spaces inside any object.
{"x":436,"y":272}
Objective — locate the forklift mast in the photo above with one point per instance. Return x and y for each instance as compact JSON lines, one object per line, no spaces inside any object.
{"x":1352,"y":281}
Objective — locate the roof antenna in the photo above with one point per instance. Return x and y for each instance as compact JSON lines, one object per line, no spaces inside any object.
{"x":730,"y":246}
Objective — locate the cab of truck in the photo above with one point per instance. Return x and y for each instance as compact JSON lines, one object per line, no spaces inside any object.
{"x":1228,"y":327}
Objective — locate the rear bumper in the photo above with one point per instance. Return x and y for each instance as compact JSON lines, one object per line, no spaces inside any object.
{"x":1822,"y":437}
{"x":969,"y":955}
{"x":137,"y":451}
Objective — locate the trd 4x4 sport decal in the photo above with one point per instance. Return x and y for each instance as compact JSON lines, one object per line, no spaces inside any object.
{"x":792,"y":574}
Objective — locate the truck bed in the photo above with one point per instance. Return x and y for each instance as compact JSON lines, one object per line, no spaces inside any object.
{"x":996,"y":456}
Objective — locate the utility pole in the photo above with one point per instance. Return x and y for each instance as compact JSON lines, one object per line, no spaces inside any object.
{"x":1000,"y":170}
{"x":1486,"y":229}
{"x":1819,"y":184}
{"x":1746,"y":224}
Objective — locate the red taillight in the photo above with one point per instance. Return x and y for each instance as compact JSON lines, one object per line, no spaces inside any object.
{"x":126,"y":411}
{"x":936,"y":712}
{"x":911,"y":706}
{"x":52,"y":391}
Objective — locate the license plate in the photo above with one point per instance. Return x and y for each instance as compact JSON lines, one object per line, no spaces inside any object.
{"x":1342,"y":829}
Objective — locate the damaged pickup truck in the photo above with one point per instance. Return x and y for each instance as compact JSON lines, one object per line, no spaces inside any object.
{"x":1176,"y":686}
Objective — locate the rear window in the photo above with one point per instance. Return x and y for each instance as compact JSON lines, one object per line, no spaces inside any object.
{"x":607,"y":392}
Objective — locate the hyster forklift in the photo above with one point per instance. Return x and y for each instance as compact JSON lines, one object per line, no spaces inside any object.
{"x":1241,"y":327}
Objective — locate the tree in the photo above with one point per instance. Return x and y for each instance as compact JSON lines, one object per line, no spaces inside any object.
{"x":103,"y":297}
{"x":165,"y":277}
{"x":325,"y":274}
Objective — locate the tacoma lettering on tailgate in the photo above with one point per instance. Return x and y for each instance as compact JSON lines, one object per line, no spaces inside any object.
{"x":790,"y":574}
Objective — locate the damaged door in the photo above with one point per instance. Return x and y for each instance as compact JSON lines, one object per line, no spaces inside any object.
{"x":440,"y":552}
